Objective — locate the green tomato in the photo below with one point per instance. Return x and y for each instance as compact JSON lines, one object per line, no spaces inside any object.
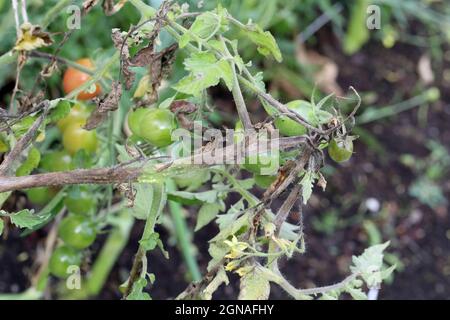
{"x":340,"y":151}
{"x":56,"y":161}
{"x":80,"y":201}
{"x":78,"y":113}
{"x":134,"y":120}
{"x":76,"y":138}
{"x":40,"y":196}
{"x":264,"y":181}
{"x":61,"y":259}
{"x":289,"y":127}
{"x":77,"y":231}
{"x":156,"y":127}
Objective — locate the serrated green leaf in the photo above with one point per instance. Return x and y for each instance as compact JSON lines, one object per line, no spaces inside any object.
{"x":254,"y":286}
{"x":50,"y":210}
{"x":1,"y":226}
{"x":25,"y":218}
{"x":205,"y":71}
{"x":370,"y":265}
{"x":30,"y":163}
{"x":206,"y":214}
{"x":265,"y":41}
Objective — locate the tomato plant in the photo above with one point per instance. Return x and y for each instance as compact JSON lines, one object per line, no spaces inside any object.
{"x":142,"y":180}
{"x":74,"y":78}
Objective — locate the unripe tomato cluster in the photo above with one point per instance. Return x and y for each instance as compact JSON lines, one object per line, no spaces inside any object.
{"x":340,"y":149}
{"x":77,"y":231}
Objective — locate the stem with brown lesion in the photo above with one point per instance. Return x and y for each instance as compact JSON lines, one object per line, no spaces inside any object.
{"x":7,"y":165}
{"x":79,"y":176}
{"x":119,"y":173}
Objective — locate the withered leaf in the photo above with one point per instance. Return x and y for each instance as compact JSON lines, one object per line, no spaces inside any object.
{"x":32,"y":37}
{"x":121,"y":44}
{"x":181,"y":108}
{"x":105,"y":105}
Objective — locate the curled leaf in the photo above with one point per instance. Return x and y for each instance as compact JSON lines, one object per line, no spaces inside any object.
{"x":32,"y":37}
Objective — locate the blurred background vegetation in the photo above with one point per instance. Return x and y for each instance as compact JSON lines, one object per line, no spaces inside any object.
{"x":396,"y":186}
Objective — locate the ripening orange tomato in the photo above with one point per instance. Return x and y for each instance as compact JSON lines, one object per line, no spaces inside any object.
{"x":73,"y":78}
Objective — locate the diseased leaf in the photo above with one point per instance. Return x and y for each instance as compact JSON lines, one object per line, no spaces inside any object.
{"x":104,"y":106}
{"x":32,"y":37}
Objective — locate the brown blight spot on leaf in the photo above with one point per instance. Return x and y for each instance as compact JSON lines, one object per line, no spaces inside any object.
{"x":105,"y":105}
